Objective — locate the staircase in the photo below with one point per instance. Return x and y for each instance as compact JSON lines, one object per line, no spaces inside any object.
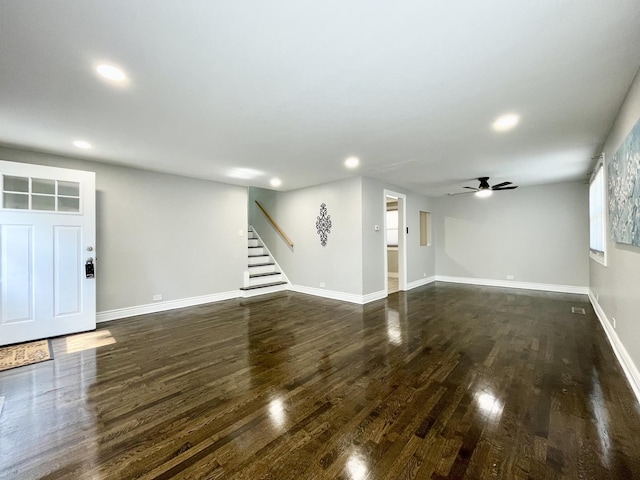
{"x":263,"y":275}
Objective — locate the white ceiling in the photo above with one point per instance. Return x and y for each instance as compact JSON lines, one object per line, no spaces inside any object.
{"x":290,"y":88}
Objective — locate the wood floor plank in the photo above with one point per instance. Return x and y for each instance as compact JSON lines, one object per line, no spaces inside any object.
{"x":444,"y":381}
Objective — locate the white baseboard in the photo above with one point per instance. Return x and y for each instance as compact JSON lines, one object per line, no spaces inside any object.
{"x":108,"y":315}
{"x":547,"y":287}
{"x":420,"y":282}
{"x":334,"y":295}
{"x":629,"y":368}
{"x":372,"y":297}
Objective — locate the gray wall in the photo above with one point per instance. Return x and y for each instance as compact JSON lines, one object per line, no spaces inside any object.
{"x":537,"y":234}
{"x":159,"y":234}
{"x":353,"y":260}
{"x":618,"y":284}
{"x":338,"y":264}
{"x":420,"y":259}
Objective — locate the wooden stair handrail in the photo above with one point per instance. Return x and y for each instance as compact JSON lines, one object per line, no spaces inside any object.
{"x":275,"y":225}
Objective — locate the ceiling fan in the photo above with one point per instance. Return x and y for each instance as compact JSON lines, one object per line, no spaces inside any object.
{"x":485,"y":190}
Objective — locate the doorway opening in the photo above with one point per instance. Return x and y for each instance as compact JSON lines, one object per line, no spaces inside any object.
{"x":395,"y":242}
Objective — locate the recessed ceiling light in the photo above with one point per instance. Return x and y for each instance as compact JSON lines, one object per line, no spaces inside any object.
{"x":352,"y":162}
{"x":81,"y":144}
{"x":275,"y":182}
{"x":505,"y":122}
{"x":244,"y":173}
{"x":111,"y":73}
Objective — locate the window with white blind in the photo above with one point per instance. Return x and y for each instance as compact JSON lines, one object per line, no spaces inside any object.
{"x":392,"y":228}
{"x":597,"y":218}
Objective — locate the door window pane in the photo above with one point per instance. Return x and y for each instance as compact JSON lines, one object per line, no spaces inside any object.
{"x":46,"y":194}
{"x":16,"y":200}
{"x":42,"y":185}
{"x":16,"y":184}
{"x":69,"y":189}
{"x":43,"y":202}
{"x":68,"y":204}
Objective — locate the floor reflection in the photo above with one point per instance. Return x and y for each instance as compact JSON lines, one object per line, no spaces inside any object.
{"x":601,"y":417}
{"x":277,"y":413}
{"x":489,"y":405}
{"x":88,"y":341}
{"x":394,"y":331}
{"x":357,"y":468}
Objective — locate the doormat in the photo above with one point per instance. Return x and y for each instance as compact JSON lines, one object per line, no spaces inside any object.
{"x":25,"y":354}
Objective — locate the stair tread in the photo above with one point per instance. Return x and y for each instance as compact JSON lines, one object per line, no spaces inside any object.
{"x":256,"y":246}
{"x":253,"y":287}
{"x":253,"y":256}
{"x":262,"y":264}
{"x":255,"y":275}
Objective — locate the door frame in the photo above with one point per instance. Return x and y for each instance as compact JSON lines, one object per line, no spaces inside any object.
{"x":402,"y":240}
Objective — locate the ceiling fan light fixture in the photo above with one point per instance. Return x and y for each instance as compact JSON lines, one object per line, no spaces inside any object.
{"x":484,"y":193}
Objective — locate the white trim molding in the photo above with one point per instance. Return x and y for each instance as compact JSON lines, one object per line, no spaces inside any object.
{"x":335,"y":295}
{"x":629,"y":368}
{"x":372,"y":297}
{"x":108,"y":315}
{"x":420,"y":282}
{"x":546,"y":287}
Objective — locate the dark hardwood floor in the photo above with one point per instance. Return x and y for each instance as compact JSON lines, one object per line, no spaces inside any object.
{"x":444,"y":381}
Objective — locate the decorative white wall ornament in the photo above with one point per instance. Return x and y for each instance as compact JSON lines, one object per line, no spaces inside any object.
{"x":323,"y":224}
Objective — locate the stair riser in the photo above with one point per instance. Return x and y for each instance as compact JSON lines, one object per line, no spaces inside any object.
{"x":254,"y":260}
{"x":262,"y":269}
{"x":257,"y":251}
{"x":265,"y":280}
{"x":253,"y":242}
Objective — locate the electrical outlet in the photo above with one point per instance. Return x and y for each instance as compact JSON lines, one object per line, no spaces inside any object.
{"x":157,"y":298}
{"x":613,"y":320}
{"x":322,"y":285}
{"x":241,"y":233}
{"x":510,"y":277}
{"x":597,"y":297}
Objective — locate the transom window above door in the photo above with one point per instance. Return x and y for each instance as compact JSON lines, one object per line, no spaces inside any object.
{"x":40,"y":194}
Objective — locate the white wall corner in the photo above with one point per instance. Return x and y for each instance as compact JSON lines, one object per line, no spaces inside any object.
{"x":372,"y":297}
{"x":629,"y":368}
{"x":420,"y":282}
{"x":546,"y":287}
{"x":108,"y":315}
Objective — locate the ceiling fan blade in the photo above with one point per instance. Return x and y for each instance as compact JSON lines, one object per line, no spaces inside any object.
{"x":460,"y":193}
{"x":503,"y":184}
{"x":505,"y":188}
{"x":472,"y":188}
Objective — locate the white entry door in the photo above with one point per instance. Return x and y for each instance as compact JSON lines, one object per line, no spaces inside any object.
{"x":47,"y":235}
